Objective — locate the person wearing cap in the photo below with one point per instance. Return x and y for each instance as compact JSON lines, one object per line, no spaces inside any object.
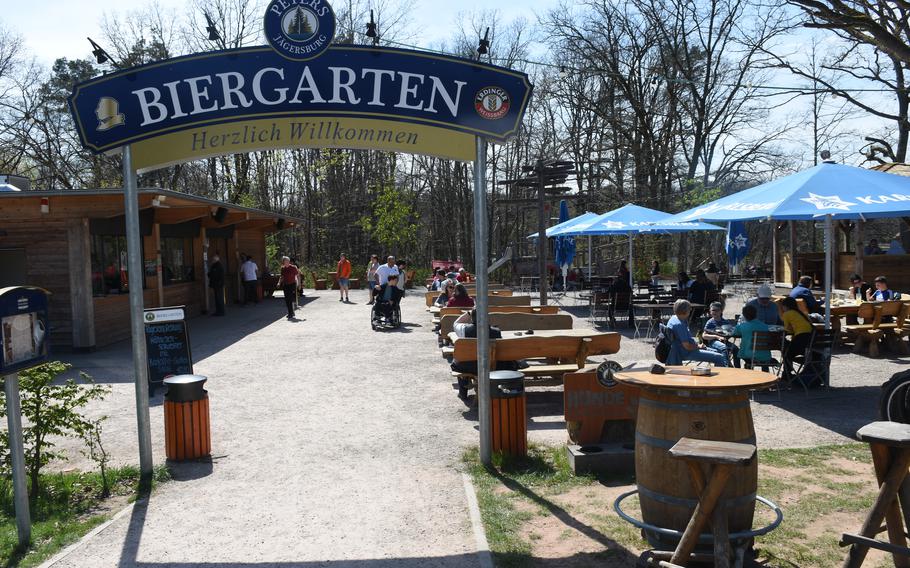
{"x":766,"y":309}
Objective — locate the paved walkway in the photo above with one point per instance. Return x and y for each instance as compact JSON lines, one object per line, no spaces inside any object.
{"x":333,"y":446}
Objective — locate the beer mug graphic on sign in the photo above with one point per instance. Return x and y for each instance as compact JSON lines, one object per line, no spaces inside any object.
{"x":108,"y":113}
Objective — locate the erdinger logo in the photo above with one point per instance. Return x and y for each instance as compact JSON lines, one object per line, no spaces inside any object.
{"x":492,"y":103}
{"x":299,"y":29}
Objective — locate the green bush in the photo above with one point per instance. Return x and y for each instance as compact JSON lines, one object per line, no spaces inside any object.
{"x":49,"y":410}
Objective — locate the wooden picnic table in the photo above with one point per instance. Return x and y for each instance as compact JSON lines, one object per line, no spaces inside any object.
{"x":575,"y":332}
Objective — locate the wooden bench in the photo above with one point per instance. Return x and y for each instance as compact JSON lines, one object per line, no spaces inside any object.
{"x":505,"y":310}
{"x":508,"y":322}
{"x":871,"y":334}
{"x":319,"y":283}
{"x":431,"y":296}
{"x":569,"y":354}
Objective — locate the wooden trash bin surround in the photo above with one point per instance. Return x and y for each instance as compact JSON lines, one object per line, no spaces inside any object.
{"x":674,"y":406}
{"x":509,"y":418}
{"x":187,"y":428}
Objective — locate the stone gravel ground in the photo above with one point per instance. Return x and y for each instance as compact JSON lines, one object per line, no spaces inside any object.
{"x":338,"y":446}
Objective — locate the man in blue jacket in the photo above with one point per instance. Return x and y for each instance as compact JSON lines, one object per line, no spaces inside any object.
{"x":801,"y":290}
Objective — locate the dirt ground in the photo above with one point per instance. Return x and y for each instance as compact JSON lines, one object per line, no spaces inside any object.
{"x":338,"y":446}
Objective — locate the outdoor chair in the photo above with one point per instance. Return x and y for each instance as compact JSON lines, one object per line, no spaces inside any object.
{"x":601,"y":303}
{"x":766,"y":341}
{"x":622,"y":302}
{"x":814,"y":364}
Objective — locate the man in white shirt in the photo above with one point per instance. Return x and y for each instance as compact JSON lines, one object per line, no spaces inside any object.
{"x":386,"y":270}
{"x":249,"y":273}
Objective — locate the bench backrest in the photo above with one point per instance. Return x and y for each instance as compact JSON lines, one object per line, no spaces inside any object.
{"x":431,"y":296}
{"x":509,"y":300}
{"x":514,"y":322}
{"x":506,"y":310}
{"x":576,"y":349}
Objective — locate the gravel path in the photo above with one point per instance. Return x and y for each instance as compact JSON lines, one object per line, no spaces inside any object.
{"x":333,"y":445}
{"x":338,"y":446}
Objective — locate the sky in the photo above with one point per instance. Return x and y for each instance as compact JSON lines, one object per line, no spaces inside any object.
{"x":63,"y":35}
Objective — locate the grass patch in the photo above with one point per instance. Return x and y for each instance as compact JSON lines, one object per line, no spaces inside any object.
{"x":821,"y":493}
{"x":69,"y":506}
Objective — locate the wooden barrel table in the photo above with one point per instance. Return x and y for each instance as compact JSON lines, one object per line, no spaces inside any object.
{"x":676,"y":405}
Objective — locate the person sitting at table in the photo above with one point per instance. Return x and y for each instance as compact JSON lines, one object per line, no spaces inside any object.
{"x":682,"y":280}
{"x":744,"y":330}
{"x":766,"y":309}
{"x":460,"y":299}
{"x":873,"y":248}
{"x":462,"y":275}
{"x":858,"y":287}
{"x":682,"y":345}
{"x":446,"y":291}
{"x":881,"y":292}
{"x":800,"y":329}
{"x":452,"y":274}
{"x":716,"y":342}
{"x":896,"y":247}
{"x":801,"y":290}
{"x":438,"y":279}
{"x":465,"y":327}
{"x":699,"y":289}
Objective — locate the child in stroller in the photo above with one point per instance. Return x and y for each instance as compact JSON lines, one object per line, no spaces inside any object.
{"x":386,"y":311}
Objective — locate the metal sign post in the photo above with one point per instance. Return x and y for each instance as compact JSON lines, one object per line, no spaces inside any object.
{"x":137,"y":325}
{"x":482,"y":323}
{"x":17,"y":457}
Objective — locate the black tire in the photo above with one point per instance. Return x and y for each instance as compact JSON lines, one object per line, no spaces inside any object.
{"x":894,"y":403}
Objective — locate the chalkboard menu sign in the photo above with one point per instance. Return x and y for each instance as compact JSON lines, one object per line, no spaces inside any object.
{"x":168,"y":344}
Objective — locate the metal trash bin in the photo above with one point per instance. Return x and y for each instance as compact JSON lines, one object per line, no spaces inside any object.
{"x":509,"y":419}
{"x":187,"y":432}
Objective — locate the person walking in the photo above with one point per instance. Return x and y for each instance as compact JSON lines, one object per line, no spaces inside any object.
{"x":250,"y":274}
{"x":344,"y":278}
{"x":402,"y":276}
{"x":216,"y":283}
{"x":290,"y":280}
{"x":372,"y":267}
{"x":386,"y":270}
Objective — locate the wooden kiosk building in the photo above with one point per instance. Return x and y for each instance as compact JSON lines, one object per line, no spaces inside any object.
{"x":73,"y":244}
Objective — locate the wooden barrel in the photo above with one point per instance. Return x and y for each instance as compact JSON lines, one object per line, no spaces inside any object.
{"x":665,"y":489}
{"x":187,"y":434}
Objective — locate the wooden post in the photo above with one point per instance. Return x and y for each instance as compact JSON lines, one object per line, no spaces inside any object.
{"x":858,"y":242}
{"x":206,"y":304}
{"x":159,"y":267}
{"x":82,"y":303}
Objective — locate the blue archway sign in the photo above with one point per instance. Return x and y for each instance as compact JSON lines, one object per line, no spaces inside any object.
{"x":226,"y":102}
{"x":299,"y":91}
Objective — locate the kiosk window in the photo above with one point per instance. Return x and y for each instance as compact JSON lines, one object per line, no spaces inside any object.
{"x":177,"y":260}
{"x":109,"y":265}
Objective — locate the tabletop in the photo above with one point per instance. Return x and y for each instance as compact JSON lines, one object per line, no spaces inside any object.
{"x":722,"y":378}
{"x":727,"y":330}
{"x":579,"y":332}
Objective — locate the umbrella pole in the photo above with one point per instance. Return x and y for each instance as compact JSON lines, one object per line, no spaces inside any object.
{"x":631,"y":277}
{"x":591,"y":277}
{"x":828,"y":265}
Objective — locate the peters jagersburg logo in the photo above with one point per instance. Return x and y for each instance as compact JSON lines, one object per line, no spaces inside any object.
{"x":299,"y":29}
{"x":492,"y":103}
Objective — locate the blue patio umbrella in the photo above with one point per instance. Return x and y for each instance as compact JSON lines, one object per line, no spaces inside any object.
{"x":584,"y":217}
{"x":828,"y":190}
{"x":565,"y":245}
{"x":633,"y":219}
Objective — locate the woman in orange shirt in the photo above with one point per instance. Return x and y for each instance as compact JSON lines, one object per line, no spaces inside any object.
{"x":344,"y":278}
